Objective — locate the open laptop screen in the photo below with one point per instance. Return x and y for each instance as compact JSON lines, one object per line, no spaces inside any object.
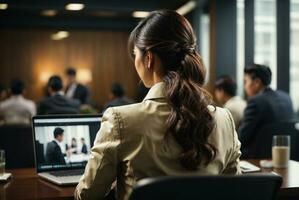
{"x":64,"y":142}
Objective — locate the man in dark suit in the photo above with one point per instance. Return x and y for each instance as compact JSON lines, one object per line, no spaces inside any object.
{"x":57,"y":103}
{"x":75,"y":90}
{"x":54,"y":155}
{"x":265,"y":106}
{"x":84,"y":146}
{"x":117,"y":96}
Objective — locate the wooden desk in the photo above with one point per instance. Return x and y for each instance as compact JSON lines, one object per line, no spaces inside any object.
{"x":25,"y":184}
{"x":290,"y":175}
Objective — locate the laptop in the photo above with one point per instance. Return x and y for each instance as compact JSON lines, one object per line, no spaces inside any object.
{"x":62,"y":146}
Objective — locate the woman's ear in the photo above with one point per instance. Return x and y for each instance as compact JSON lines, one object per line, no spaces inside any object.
{"x":150,"y":59}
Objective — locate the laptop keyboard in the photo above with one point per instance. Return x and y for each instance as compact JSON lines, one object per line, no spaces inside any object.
{"x":67,"y":173}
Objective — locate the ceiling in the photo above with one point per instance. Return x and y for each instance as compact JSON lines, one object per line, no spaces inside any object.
{"x":97,"y":14}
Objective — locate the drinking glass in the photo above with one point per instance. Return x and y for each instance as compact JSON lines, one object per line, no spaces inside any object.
{"x":281,"y":151}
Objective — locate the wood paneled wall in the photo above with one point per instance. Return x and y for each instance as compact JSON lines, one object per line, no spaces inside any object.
{"x":33,"y":56}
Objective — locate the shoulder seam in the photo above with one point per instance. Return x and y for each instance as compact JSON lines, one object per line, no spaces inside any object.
{"x":120,"y":125}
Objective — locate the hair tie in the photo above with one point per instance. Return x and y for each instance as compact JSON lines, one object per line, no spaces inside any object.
{"x":191,"y":50}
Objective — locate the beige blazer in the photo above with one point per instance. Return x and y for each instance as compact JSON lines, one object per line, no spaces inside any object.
{"x":130,"y":146}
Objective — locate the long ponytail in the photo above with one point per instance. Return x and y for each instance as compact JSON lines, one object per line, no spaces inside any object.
{"x":190,"y":121}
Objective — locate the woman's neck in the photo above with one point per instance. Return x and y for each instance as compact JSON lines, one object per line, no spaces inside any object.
{"x":157,"y":78}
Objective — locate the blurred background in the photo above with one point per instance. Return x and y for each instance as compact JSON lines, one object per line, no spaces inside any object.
{"x":41,"y":38}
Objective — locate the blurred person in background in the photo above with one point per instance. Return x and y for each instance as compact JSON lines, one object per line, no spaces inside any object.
{"x":16,"y":109}
{"x":3,"y":96}
{"x":3,"y":92}
{"x":265,"y":106}
{"x":225,"y":93}
{"x":84,"y":146}
{"x":75,"y":90}
{"x":72,"y":149}
{"x":117,"y":96}
{"x":57,"y":103}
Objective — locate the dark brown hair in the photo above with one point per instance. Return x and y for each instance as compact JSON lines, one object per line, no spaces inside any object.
{"x":170,"y":36}
{"x":227,"y":84}
{"x":261,"y":72}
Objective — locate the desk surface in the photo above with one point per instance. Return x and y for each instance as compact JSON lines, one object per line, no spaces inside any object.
{"x":290,"y":175}
{"x":25,"y":184}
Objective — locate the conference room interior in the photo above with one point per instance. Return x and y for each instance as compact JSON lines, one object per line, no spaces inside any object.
{"x":79,"y":51}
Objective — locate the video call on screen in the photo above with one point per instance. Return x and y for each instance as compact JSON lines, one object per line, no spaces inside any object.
{"x":69,"y":150}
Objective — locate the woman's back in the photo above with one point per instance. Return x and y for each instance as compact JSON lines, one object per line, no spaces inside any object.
{"x":133,"y":139}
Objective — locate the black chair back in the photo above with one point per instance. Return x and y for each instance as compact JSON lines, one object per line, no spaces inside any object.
{"x":245,"y":187}
{"x":17,"y":142}
{"x":261,"y":148}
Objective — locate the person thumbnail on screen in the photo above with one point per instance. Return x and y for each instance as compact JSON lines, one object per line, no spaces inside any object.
{"x":62,"y":145}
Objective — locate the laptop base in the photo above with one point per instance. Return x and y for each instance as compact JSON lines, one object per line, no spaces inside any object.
{"x":60,"y":180}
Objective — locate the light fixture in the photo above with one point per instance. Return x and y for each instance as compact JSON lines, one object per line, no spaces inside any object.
{"x":60,"y":35}
{"x":74,"y":6}
{"x":84,"y":76}
{"x":140,"y":14}
{"x":186,"y":8}
{"x":3,"y":6}
{"x":44,"y":76}
{"x":49,"y":13}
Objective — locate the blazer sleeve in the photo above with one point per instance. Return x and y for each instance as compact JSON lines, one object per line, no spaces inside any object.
{"x":41,"y":108}
{"x":247,"y":129}
{"x":83,"y":94}
{"x":101,"y":169}
{"x":86,"y":95}
{"x":60,"y":156}
{"x":233,"y":163}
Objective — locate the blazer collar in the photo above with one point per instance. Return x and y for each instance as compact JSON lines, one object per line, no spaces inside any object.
{"x":157,"y":91}
{"x":267,"y":89}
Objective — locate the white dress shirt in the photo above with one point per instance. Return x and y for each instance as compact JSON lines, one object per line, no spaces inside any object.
{"x":71,"y":90}
{"x":17,"y":109}
{"x":236,"y":105}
